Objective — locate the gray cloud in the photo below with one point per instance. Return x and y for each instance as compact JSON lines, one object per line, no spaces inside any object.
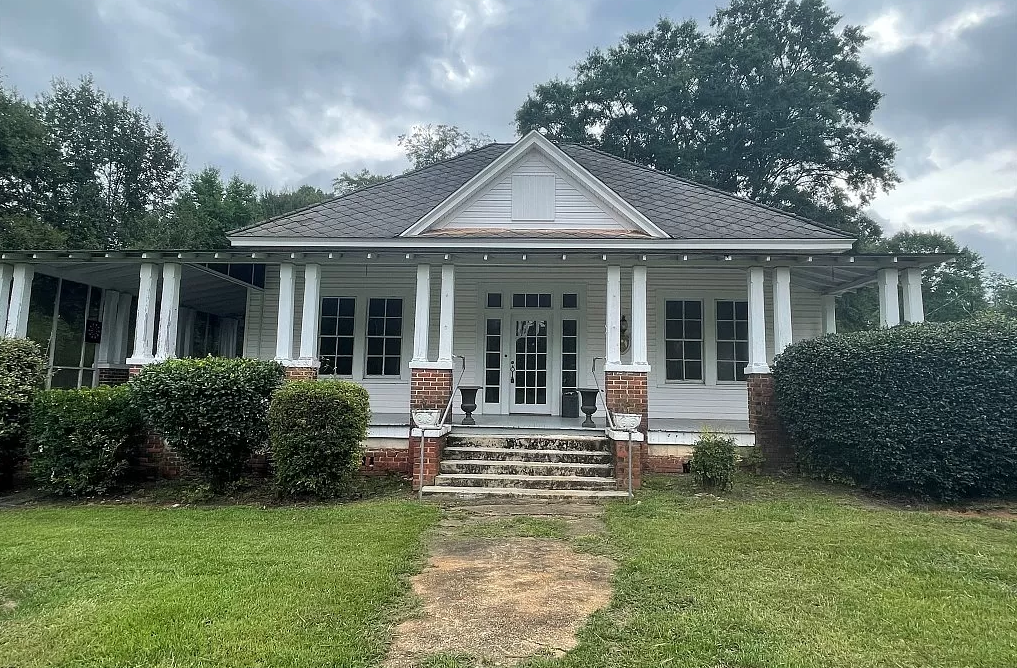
{"x":285,"y":93}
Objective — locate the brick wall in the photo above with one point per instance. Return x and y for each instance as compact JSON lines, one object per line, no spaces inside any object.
{"x":159,"y":460}
{"x":430,"y":388}
{"x":113,"y":375}
{"x":387,"y":460}
{"x":666,"y":464}
{"x":772,"y":440}
{"x":433,"y":448}
{"x":300,"y":373}
{"x":626,"y":388}
{"x":621,"y":464}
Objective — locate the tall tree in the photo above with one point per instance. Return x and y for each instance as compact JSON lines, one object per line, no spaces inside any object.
{"x":427,"y":144}
{"x":348,"y":182}
{"x":774,"y":104}
{"x":1003,"y":290}
{"x":277,"y":203}
{"x":119,"y":168}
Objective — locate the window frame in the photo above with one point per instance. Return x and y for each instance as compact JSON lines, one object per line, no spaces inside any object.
{"x":362,"y":298}
{"x":703,"y":341}
{"x":717,"y":342}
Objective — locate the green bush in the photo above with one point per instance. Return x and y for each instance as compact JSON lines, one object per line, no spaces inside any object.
{"x":22,"y":373}
{"x":213,"y":411}
{"x":317,"y":430}
{"x":82,"y":441}
{"x":922,"y":410}
{"x":713,"y":460}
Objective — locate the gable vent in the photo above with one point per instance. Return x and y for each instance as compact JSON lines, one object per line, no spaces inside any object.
{"x":533,"y":197}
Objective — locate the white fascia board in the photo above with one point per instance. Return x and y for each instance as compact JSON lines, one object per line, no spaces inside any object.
{"x":501,"y":244}
{"x":562,"y":160}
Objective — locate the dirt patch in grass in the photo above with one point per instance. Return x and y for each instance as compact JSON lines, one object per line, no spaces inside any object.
{"x":498,"y":598}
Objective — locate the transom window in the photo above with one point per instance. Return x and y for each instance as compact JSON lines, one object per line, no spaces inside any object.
{"x":683,"y":339}
{"x":732,"y":339}
{"x":335,"y":338}
{"x":384,"y":336}
{"x":531,"y":300}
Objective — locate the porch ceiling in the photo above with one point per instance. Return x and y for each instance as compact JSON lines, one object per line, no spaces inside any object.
{"x":828,"y":273}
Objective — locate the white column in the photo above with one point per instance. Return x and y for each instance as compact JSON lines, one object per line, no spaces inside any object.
{"x":889,"y":303}
{"x":6,"y":279}
{"x":107,"y":339}
{"x":446,"y":322}
{"x":169,"y":312}
{"x":613,"y":326}
{"x":309,"y":315}
{"x":21,"y":297}
{"x":914,"y":308}
{"x":422,"y":314}
{"x":144,"y":326}
{"x":757,"y":324}
{"x":639,"y":352}
{"x":782,"y":336}
{"x":284,"y":323}
{"x":829,"y":314}
{"x":121,"y":329}
{"x":228,"y":337}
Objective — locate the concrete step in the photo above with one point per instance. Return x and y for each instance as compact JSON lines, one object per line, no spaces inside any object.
{"x":523,"y":481}
{"x":477,"y":492}
{"x":537,"y":442}
{"x":527,"y":455}
{"x":529,"y":468}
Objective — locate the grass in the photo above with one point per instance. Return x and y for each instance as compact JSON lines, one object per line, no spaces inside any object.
{"x":786,"y":574}
{"x":133,"y":585}
{"x":518,"y":527}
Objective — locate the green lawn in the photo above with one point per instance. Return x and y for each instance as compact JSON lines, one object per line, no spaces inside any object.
{"x":144,"y":586}
{"x":781,"y":574}
{"x":775,"y":574}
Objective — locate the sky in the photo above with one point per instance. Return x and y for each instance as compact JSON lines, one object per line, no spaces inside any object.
{"x":285,"y":93}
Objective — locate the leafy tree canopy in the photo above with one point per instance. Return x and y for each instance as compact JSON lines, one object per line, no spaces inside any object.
{"x":427,"y":144}
{"x":346,"y":182}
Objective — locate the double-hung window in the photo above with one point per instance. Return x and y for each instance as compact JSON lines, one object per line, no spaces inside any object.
{"x":384,"y":336}
{"x":732,"y":339}
{"x":339,"y":339}
{"x":683,"y":340}
{"x":336,"y":336}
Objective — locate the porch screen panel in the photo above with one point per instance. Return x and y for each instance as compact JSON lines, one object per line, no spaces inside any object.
{"x":569,"y":354}
{"x":492,"y":361}
{"x":683,"y":339}
{"x":732,"y":339}
{"x":384,"y":336}
{"x":335,"y":338}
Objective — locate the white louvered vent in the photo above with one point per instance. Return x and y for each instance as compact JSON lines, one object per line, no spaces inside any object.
{"x":533,"y":196}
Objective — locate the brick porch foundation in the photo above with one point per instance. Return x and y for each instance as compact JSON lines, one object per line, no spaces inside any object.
{"x":385,"y":461}
{"x":621,"y":463}
{"x":433,"y":447}
{"x":113,"y":375}
{"x":778,"y":453}
{"x":626,"y":392}
{"x":430,"y":388}
{"x":300,"y":373}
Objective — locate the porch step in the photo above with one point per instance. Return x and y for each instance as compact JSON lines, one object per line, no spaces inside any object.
{"x":571,"y":482}
{"x":476,"y":492}
{"x":491,"y":454}
{"x":545,"y":441}
{"x":529,"y":468}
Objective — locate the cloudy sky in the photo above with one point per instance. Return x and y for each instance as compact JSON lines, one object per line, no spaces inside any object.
{"x":290,"y":92}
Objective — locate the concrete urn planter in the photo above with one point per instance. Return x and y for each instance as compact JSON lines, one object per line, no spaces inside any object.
{"x":426,"y":418}
{"x":627,"y":421}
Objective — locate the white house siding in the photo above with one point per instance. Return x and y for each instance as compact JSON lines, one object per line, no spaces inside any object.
{"x":709,"y":400}
{"x":573,"y":207}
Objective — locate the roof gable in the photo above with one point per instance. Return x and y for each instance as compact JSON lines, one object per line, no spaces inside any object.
{"x":526,"y":156}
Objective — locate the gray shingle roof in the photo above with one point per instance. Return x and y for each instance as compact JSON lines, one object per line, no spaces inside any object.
{"x":681,"y":208}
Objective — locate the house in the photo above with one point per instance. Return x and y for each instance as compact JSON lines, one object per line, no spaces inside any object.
{"x":527,"y":271}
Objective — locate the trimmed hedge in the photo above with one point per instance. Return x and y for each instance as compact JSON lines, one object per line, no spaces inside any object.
{"x":82,"y":441}
{"x":213,"y":411}
{"x":714,"y":459}
{"x":22,"y":373}
{"x":920,"y":410}
{"x":317,"y":430}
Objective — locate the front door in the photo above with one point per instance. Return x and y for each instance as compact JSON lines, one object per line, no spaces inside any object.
{"x":528,"y":364}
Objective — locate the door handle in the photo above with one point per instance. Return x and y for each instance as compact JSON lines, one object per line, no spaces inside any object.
{"x":512,"y":372}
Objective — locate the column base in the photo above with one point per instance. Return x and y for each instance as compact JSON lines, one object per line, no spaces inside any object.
{"x":300,"y":373}
{"x":773,"y":442}
{"x":433,"y":447}
{"x":113,"y":375}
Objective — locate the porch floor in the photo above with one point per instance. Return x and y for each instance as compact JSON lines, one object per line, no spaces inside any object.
{"x":559,"y":424}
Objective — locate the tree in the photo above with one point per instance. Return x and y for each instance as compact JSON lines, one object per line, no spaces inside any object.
{"x":119,"y":169}
{"x":427,"y":144}
{"x":773,"y":104}
{"x":346,"y":182}
{"x":277,"y":203}
{"x":1004,"y":294}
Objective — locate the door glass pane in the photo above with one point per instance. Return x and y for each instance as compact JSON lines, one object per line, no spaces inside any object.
{"x":531,"y":362}
{"x":70,"y":332}
{"x":492,"y":361}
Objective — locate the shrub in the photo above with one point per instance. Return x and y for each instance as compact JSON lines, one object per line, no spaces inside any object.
{"x":317,"y":430}
{"x":22,"y":372}
{"x":82,"y":440}
{"x":713,"y":460}
{"x":213,"y":411}
{"x":919,"y":410}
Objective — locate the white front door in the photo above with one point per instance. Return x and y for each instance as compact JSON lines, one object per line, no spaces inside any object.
{"x":529,"y":353}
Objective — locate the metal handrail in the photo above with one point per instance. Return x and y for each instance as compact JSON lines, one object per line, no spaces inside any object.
{"x":593,"y":371}
{"x":452,"y":397}
{"x":441,"y":423}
